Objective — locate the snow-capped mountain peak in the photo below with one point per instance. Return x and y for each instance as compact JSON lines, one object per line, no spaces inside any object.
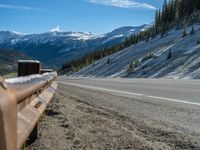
{"x":56,"y":29}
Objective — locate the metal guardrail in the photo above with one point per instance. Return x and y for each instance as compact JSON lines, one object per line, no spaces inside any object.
{"x":22,"y":102}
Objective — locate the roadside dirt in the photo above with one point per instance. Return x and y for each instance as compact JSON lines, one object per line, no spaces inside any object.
{"x":71,"y":123}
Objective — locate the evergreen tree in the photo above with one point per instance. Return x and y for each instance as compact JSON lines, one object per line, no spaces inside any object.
{"x":136,"y":63}
{"x":192,"y":31}
{"x":130,"y":68}
{"x":108,"y":60}
{"x":198,"y":42}
{"x":169,"y":54}
{"x":184,"y":33}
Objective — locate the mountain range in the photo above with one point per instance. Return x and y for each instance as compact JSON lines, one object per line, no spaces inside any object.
{"x":55,"y":47}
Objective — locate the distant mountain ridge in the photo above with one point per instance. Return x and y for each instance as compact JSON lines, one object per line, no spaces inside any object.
{"x":54,"y":48}
{"x":5,"y":35}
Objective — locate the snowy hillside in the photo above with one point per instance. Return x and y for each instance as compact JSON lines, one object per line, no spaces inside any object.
{"x":172,"y":56}
{"x":55,"y":47}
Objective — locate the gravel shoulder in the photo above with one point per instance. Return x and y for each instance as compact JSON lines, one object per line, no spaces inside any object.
{"x":90,"y":120}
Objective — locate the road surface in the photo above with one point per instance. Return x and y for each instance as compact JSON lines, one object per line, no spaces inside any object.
{"x":123,"y":114}
{"x":185,"y":91}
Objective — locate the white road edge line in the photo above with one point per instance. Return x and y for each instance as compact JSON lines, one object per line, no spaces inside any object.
{"x":129,"y":93}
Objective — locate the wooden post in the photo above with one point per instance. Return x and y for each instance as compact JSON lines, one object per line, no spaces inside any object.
{"x":29,"y":67}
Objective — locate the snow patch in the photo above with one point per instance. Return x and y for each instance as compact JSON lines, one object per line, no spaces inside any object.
{"x":17,"y":33}
{"x":23,"y":79}
{"x":112,"y":38}
{"x":28,"y":61}
{"x":65,"y":50}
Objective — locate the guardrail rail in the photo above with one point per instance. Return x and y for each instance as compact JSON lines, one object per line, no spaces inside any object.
{"x":22,"y":102}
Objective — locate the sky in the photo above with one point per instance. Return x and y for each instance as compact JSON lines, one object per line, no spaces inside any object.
{"x":96,"y":16}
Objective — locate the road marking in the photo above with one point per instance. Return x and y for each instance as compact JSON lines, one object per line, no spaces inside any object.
{"x":98,"y":88}
{"x":129,"y":93}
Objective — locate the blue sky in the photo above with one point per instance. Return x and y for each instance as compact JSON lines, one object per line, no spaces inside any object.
{"x":97,"y":16}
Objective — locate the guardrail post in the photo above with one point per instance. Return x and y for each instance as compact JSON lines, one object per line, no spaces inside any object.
{"x":29,"y":67}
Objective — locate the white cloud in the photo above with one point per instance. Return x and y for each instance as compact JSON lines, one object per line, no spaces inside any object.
{"x":123,"y":4}
{"x":56,"y":29}
{"x":19,"y":7}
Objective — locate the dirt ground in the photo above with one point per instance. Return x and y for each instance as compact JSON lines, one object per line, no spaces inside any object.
{"x":71,"y":123}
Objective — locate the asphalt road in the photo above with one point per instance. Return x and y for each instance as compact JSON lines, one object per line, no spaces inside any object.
{"x":183,"y":91}
{"x":166,"y":111}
